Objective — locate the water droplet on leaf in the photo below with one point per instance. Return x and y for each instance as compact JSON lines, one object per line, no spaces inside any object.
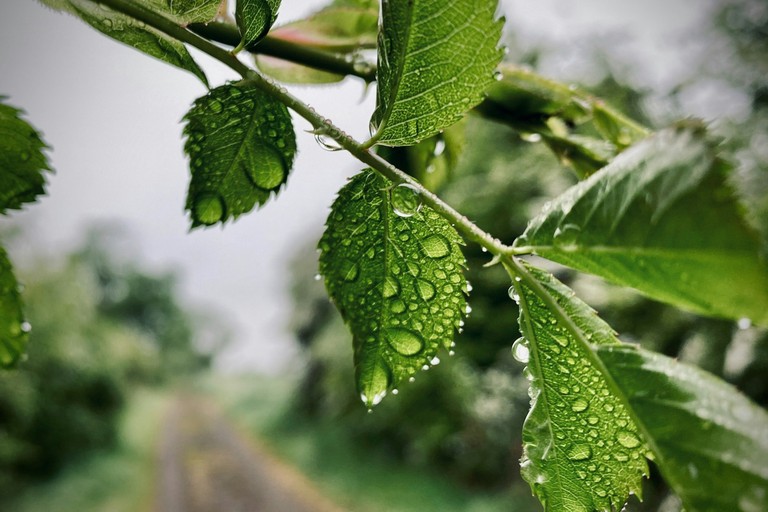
{"x":435,"y":246}
{"x":405,"y":199}
{"x":579,"y":405}
{"x":579,"y":451}
{"x":269,"y":170}
{"x":349,"y":270}
{"x":627,"y":439}
{"x":208,"y":209}
{"x":520,"y":350}
{"x":404,"y":341}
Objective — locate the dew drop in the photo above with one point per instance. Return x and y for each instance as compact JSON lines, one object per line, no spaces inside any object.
{"x":512,"y":291}
{"x":531,"y":137}
{"x":520,"y":350}
{"x":468,"y":310}
{"x":391,"y":287}
{"x":579,"y":451}
{"x":404,"y":341}
{"x":566,"y":237}
{"x":469,"y":287}
{"x":425,"y":289}
{"x":439,"y":147}
{"x":267,"y":169}
{"x":498,"y":75}
{"x":326,"y":142}
{"x":434,"y":361}
{"x":349,"y":270}
{"x":627,"y":439}
{"x":405,"y":199}
{"x":25,"y":327}
{"x":215,"y":106}
{"x":435,"y":246}
{"x":395,"y":391}
{"x":744,"y":323}
{"x":411,"y":379}
{"x":208,"y":209}
{"x":579,"y":405}
{"x":376,"y":384}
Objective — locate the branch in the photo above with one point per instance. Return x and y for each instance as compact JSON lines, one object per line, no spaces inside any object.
{"x":322,"y":60}
{"x":467,"y":228}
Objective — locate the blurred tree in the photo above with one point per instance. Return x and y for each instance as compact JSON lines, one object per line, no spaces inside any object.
{"x":99,"y":328}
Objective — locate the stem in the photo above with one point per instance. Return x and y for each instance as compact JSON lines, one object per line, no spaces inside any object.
{"x":276,"y":47}
{"x":467,"y":228}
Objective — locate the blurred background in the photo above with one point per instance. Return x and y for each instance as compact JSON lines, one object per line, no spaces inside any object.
{"x":128,"y":307}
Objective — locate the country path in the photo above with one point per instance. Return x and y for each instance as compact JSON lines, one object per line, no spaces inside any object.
{"x":206,"y":465}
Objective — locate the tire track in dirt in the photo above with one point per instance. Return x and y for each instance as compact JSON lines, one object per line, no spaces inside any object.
{"x":207,"y":465}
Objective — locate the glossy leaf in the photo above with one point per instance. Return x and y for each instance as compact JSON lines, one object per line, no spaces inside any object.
{"x":13,"y":327}
{"x":582,"y":450}
{"x":132,"y":32}
{"x":342,"y":27}
{"x":436,"y":58}
{"x":710,"y":442}
{"x":662,"y":219}
{"x":22,"y":160}
{"x":254,"y":18}
{"x":188,"y":11}
{"x":394,"y":270}
{"x":241,"y":147}
{"x":292,"y":73}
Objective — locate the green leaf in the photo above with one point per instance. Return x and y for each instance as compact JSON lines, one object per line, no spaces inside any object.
{"x":188,"y":11}
{"x":132,"y":32}
{"x":710,"y":442}
{"x":254,"y":18}
{"x":436,"y":57}
{"x":341,"y":27}
{"x":661,"y":218}
{"x":582,"y":450}
{"x":13,"y":328}
{"x":241,"y":147}
{"x":394,"y":270}
{"x":292,"y":73}
{"x":22,"y":160}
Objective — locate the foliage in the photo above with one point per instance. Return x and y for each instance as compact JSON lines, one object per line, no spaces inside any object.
{"x":654,"y":212}
{"x":99,"y":331}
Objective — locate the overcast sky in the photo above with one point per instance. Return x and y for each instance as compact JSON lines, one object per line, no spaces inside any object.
{"x":112,"y":116}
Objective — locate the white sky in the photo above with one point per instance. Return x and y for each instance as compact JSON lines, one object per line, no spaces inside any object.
{"x":112,"y":116}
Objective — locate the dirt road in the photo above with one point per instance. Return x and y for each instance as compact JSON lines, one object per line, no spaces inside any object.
{"x":206,"y":465}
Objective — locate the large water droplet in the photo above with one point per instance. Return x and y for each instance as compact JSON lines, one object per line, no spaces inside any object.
{"x":391,"y":287}
{"x":267,"y":170}
{"x":579,"y":451}
{"x":567,"y":237}
{"x":349,"y":270}
{"x":531,"y":137}
{"x":579,"y":405}
{"x":425,"y":289}
{"x":627,"y":439}
{"x":405,"y":199}
{"x":520,"y":350}
{"x":512,"y":291}
{"x":374,"y":389}
{"x":404,"y":341}
{"x":326,"y":142}
{"x":435,"y":246}
{"x":208,"y":209}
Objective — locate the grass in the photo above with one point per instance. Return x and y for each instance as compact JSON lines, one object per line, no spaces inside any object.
{"x":119,"y":480}
{"x":355,"y":478}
